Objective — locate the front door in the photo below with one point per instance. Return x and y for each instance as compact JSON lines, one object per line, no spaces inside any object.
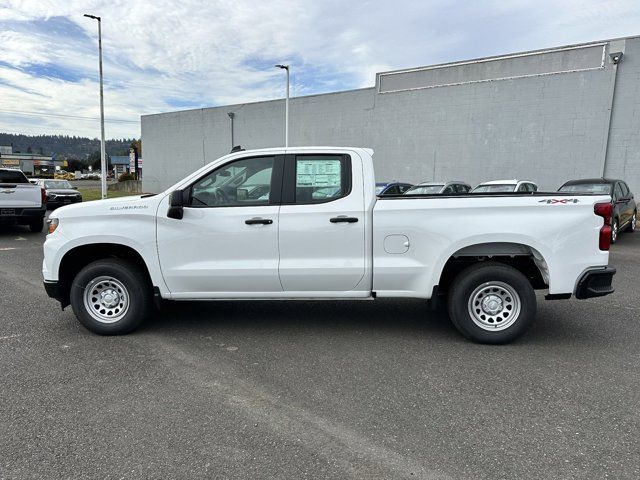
{"x":322,"y":224}
{"x":226,"y":244}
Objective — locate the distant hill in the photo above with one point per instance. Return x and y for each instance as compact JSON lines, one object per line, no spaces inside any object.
{"x":64,"y":146}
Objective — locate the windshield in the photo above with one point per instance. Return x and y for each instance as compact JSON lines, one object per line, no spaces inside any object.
{"x":380,"y":187}
{"x":494,"y":188}
{"x":424,"y":190}
{"x":603,"y":188}
{"x":12,"y":176}
{"x":57,"y":184}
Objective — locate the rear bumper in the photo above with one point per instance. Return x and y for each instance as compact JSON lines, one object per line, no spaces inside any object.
{"x":20,"y":215}
{"x":595,"y":282}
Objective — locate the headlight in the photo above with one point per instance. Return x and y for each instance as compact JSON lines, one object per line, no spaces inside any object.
{"x":52,"y":225}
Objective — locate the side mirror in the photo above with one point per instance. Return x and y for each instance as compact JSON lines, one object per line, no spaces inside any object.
{"x":242,"y":194}
{"x":176,"y":204}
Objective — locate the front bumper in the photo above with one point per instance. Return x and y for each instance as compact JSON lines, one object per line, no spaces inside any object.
{"x":595,"y":282}
{"x":62,"y":201}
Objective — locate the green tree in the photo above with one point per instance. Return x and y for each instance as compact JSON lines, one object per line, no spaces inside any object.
{"x":94,"y":160}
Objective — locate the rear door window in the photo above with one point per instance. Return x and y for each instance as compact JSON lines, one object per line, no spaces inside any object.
{"x":625,"y":189}
{"x":318,"y":179}
{"x":617,"y":192}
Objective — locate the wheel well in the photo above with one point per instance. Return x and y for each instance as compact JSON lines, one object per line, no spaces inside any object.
{"x":78,"y":258}
{"x":521,"y":257}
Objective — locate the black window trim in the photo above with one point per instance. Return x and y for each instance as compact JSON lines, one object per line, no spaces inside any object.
{"x":289,"y":177}
{"x":275,"y":194}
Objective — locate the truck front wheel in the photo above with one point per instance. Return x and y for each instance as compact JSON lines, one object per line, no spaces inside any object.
{"x":111,"y":296}
{"x":492,"y":303}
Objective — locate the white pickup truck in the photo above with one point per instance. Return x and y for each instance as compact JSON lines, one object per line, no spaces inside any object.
{"x":305,"y":223}
{"x":21,"y":202}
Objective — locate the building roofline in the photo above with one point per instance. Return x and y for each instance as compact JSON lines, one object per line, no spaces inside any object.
{"x":236,"y":106}
{"x":510,"y":54}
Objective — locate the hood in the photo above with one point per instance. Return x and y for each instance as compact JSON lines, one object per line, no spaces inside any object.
{"x":132,"y":205}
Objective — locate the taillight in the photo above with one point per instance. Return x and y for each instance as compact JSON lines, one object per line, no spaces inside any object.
{"x":43,"y":196}
{"x":604,"y":210}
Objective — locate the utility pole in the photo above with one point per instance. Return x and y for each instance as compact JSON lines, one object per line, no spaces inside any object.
{"x":286,"y":107}
{"x":103,"y":155}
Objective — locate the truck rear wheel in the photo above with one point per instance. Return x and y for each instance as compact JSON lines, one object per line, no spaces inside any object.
{"x":111,"y":296}
{"x":492,"y":303}
{"x":36,"y":225}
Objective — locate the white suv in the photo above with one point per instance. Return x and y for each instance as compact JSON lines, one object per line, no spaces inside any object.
{"x":506,"y":186}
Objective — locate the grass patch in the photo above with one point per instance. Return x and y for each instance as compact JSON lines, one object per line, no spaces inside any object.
{"x":89,"y":194}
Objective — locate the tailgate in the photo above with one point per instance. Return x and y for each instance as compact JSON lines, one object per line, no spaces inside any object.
{"x":21,"y":195}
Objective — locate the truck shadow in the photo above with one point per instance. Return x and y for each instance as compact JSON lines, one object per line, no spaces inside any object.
{"x":399,"y":318}
{"x":406,"y":316}
{"x":8,"y":230}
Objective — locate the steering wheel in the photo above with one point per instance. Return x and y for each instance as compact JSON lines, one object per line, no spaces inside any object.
{"x":220,"y":196}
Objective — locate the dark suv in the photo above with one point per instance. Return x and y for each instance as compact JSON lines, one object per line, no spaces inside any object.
{"x":624,"y":206}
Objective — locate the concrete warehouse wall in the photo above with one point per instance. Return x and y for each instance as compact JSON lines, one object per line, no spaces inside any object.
{"x":542,"y":116}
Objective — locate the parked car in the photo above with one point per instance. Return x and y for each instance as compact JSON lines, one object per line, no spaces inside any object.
{"x":59,"y":193}
{"x":21,"y":202}
{"x":505,"y":186}
{"x":109,"y":259}
{"x":392,"y":188}
{"x":625,"y":209}
{"x":439,"y":188}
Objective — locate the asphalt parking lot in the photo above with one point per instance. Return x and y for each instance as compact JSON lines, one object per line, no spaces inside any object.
{"x":316,"y":389}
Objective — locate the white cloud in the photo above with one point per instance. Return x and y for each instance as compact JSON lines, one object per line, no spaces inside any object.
{"x":166,"y":54}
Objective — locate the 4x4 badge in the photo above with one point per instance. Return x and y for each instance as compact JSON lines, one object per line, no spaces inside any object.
{"x":563,"y":201}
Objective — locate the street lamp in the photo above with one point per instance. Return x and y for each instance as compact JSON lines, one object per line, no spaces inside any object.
{"x":103,"y":160}
{"x":286,"y":107}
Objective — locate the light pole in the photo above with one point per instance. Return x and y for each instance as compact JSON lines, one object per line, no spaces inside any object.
{"x":286,"y":107}
{"x":103,"y":159}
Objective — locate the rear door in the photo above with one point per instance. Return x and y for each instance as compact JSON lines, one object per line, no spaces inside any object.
{"x":623,"y":203}
{"x":322,"y":224}
{"x":630,"y":201}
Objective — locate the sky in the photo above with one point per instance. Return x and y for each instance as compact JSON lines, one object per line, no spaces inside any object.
{"x":167,"y":55}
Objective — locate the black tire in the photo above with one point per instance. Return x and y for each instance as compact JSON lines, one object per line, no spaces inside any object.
{"x":133,"y":286}
{"x":472,"y":283}
{"x":614,"y":230}
{"x":632,"y":223}
{"x":36,"y":225}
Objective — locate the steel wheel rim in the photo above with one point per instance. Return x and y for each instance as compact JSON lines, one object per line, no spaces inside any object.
{"x":633,"y":221}
{"x":494,"y":306}
{"x":106,"y":299}
{"x":614,"y":231}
